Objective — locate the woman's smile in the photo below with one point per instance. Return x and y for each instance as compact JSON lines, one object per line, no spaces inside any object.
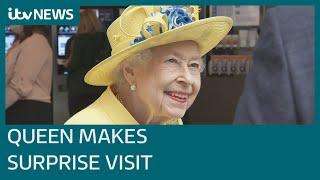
{"x":178,"y":96}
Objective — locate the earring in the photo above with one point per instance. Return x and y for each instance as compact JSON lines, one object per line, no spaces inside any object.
{"x":133,"y":87}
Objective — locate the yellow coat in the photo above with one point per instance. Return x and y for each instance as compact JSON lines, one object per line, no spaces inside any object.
{"x":107,"y":110}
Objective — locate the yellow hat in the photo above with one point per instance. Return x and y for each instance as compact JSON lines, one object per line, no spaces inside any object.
{"x":143,"y":27}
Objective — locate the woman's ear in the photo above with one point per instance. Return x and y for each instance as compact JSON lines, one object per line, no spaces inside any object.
{"x":129,"y":73}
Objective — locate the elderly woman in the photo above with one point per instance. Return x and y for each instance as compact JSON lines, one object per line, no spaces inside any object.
{"x":153,"y":73}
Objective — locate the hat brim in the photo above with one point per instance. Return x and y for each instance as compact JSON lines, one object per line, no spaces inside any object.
{"x":206,"y":32}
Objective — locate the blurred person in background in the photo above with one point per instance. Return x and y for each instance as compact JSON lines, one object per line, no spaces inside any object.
{"x":29,"y":78}
{"x":88,"y":47}
{"x":279,"y":88}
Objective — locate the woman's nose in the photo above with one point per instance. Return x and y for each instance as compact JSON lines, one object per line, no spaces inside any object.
{"x":185,"y":76}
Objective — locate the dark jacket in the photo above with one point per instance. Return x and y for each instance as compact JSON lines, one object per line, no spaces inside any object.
{"x":87,"y":51}
{"x":280,"y":86}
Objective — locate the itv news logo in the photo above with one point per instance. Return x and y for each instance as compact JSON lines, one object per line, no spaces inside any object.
{"x":40,"y":14}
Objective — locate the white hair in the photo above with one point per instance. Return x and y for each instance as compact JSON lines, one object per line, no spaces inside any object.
{"x":135,"y":60}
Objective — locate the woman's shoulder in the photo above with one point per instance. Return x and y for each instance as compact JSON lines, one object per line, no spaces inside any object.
{"x":36,"y":37}
{"x":36,"y":40}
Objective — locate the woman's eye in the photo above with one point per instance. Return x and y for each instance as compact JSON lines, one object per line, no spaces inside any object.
{"x":171,"y":60}
{"x":195,"y":65}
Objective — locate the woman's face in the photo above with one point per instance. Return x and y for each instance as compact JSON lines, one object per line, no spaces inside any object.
{"x":169,"y":83}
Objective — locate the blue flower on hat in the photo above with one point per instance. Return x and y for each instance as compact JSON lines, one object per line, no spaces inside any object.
{"x":177,"y":16}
